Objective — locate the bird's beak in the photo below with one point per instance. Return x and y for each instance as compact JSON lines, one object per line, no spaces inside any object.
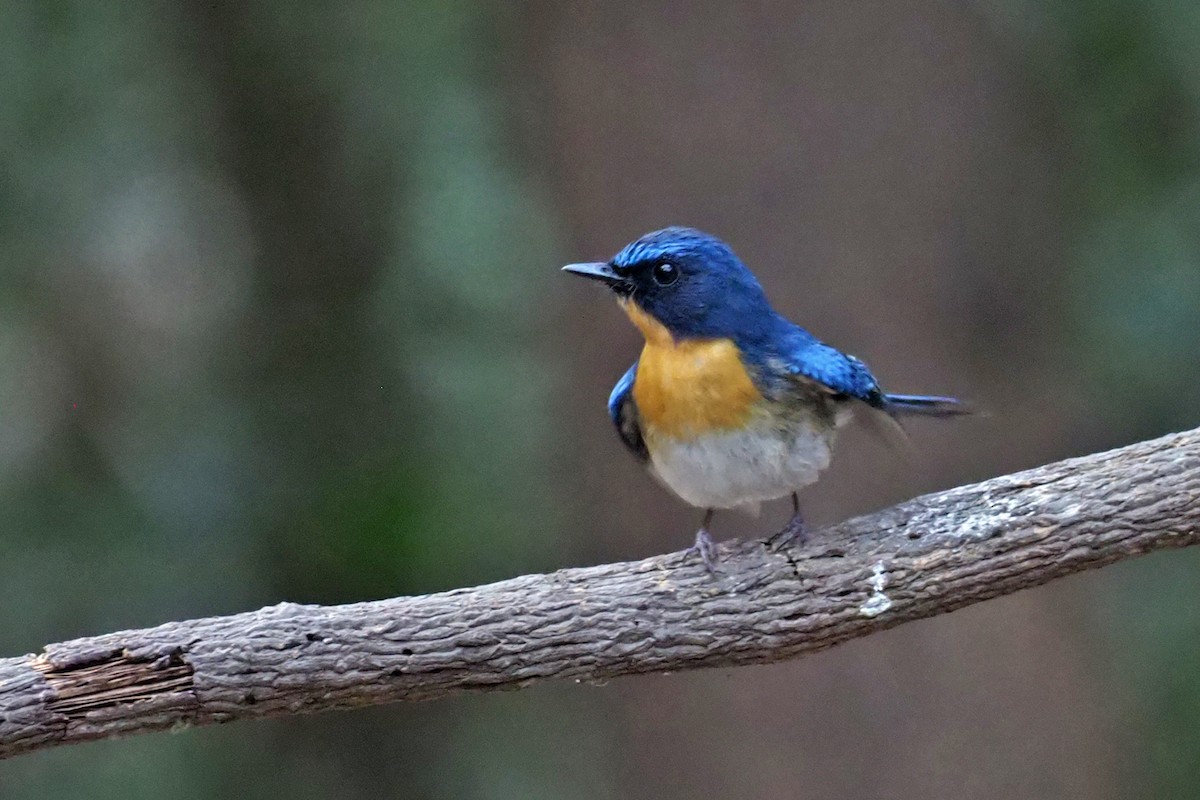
{"x":597,"y":271}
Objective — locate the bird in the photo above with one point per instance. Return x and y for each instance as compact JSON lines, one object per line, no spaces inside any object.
{"x":730,"y":404}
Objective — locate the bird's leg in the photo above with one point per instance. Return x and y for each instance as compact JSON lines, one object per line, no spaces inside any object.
{"x":793,"y":531}
{"x":705,"y":547}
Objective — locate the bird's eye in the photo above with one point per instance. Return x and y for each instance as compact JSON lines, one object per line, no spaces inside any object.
{"x":665,"y":273}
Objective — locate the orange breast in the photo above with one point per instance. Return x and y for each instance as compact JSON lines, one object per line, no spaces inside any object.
{"x":689,"y":388}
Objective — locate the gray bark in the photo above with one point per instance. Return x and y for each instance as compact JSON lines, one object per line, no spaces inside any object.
{"x":924,"y":557}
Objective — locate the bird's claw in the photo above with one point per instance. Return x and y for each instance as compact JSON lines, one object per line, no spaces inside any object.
{"x":794,"y":531}
{"x":706,"y":548}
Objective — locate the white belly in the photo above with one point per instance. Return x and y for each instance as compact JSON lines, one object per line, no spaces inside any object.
{"x":746,"y":467}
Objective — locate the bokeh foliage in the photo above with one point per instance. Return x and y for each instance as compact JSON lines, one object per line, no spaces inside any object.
{"x":279,"y":320}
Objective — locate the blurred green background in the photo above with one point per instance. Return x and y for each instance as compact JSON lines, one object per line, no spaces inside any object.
{"x":280,"y":318}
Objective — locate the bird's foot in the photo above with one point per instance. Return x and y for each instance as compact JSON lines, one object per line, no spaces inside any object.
{"x":706,"y":548}
{"x":794,"y":531}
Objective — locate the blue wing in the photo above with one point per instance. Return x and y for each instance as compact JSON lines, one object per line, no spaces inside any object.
{"x":804,"y":356}
{"x":844,"y":376}
{"x":623,"y":411}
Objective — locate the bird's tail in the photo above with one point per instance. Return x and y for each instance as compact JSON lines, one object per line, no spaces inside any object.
{"x":917,"y":405}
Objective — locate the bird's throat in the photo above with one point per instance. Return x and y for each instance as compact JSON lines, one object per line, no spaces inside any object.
{"x":652,"y":330}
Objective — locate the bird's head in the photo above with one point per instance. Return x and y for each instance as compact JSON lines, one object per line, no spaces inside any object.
{"x":685,"y":284}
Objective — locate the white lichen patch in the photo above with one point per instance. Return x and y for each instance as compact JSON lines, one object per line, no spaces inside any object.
{"x":878,"y":602}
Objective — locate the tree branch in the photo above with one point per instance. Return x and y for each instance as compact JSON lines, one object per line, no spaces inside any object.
{"x":923,"y":557}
